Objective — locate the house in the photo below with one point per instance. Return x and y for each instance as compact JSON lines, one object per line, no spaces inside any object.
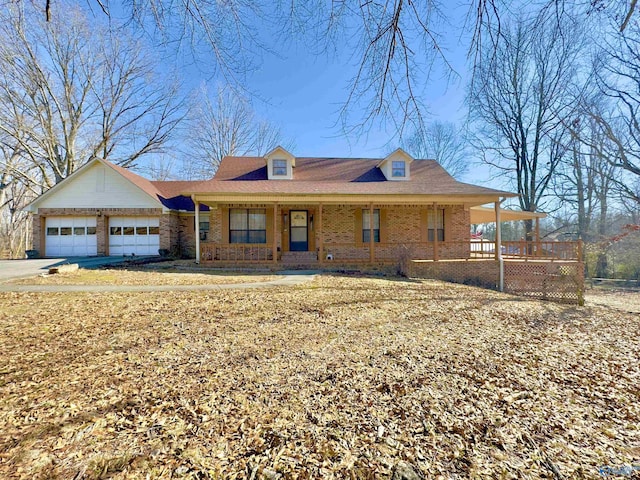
{"x":273,"y":208}
{"x":305,"y":211}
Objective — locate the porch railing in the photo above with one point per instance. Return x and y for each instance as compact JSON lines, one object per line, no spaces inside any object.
{"x":235,"y":252}
{"x":350,"y":252}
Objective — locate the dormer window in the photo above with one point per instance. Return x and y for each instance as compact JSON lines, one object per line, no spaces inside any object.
{"x":280,"y":167}
{"x":397,"y":166}
{"x":398,"y":169}
{"x":280,"y":164}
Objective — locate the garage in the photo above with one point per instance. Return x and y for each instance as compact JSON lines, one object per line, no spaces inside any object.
{"x":70,"y":236}
{"x":134,"y":235}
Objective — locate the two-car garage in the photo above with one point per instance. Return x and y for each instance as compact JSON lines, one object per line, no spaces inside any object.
{"x":70,"y":236}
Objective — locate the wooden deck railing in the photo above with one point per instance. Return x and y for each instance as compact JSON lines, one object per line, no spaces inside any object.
{"x":350,"y":252}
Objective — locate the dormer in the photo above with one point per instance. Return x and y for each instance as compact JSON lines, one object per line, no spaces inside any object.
{"x":280,"y":164}
{"x":396,"y":167}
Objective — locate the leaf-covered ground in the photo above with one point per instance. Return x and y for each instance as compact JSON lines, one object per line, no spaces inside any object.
{"x":144,"y":276}
{"x":337,"y":378}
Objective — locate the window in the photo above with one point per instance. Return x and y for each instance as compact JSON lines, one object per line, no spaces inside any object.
{"x":51,"y":231}
{"x":366,"y":229}
{"x":435,"y":223}
{"x":65,"y":230}
{"x":78,"y":230}
{"x":204,"y":224}
{"x":141,"y":230}
{"x":398,"y":169}
{"x":154,"y":230}
{"x":115,"y":231}
{"x":91,"y":230}
{"x":247,"y":225}
{"x":280,"y":167}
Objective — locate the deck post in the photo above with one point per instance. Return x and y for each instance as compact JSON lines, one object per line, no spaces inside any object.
{"x":498,"y":247}
{"x":197,"y":228}
{"x":275,"y":233}
{"x":580,"y":244}
{"x":320,"y":235}
{"x":538,"y":251}
{"x":435,"y":232}
{"x":371,"y":244}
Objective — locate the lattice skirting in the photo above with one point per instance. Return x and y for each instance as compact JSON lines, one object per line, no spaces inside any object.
{"x":557,"y":281}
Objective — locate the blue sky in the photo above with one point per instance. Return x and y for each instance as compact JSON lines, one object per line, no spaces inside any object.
{"x":304,"y":93}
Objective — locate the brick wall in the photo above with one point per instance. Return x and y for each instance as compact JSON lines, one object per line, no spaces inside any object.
{"x":483,"y":273}
{"x":403,"y":231}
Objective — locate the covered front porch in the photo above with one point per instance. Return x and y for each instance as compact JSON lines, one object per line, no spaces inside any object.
{"x":325,"y":233}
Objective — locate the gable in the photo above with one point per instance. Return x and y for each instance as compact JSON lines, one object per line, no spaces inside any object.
{"x":96,"y":186}
{"x":280,"y":164}
{"x":396,"y":166}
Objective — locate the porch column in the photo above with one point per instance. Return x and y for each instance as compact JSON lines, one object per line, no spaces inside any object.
{"x":275,"y":233}
{"x":537,"y":236}
{"x":435,"y":231}
{"x":371,"y":244}
{"x":197,"y":229}
{"x":320,"y":236}
{"x":498,"y":247}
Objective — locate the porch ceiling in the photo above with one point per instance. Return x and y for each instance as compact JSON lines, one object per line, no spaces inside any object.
{"x":488,"y":215}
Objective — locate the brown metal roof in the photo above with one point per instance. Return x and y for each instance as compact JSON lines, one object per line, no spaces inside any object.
{"x":248,"y":175}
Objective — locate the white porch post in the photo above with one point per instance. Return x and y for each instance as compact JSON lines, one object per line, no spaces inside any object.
{"x":498,"y":247}
{"x":274,"y":246}
{"x":197,"y":228}
{"x":371,"y":244}
{"x":320,"y":234}
{"x":436,"y":216}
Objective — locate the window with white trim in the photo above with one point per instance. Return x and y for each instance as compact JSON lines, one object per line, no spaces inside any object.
{"x":279,"y":168}
{"x":398,"y":168}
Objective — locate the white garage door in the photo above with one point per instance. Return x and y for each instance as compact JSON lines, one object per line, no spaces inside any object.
{"x":70,"y":236}
{"x":134,"y":235}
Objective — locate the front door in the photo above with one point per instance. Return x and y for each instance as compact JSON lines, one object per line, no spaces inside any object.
{"x":298,"y":231}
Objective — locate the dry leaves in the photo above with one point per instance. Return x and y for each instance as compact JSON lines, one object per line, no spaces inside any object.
{"x":338,"y":378}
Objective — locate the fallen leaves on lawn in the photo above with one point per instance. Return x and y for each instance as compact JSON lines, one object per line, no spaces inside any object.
{"x":338,"y":378}
{"x":143,"y":277}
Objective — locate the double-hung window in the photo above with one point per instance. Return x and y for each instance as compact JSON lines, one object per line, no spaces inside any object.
{"x":247,"y":225}
{"x":280,"y":168}
{"x":398,"y":169}
{"x":435,"y":225}
{"x":366,"y":225}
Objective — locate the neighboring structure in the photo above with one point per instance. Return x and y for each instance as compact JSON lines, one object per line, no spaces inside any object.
{"x":282,"y":209}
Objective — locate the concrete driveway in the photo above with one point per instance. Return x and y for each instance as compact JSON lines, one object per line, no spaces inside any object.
{"x":12,"y":269}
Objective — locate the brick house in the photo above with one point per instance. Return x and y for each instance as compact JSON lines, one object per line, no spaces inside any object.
{"x":276,"y":208}
{"x":299,"y":211}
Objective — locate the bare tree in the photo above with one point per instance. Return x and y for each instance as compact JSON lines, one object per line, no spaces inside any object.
{"x":443,"y":142}
{"x":225,"y":125}
{"x":618,"y":79}
{"x":519,"y":103}
{"x":70,"y":93}
{"x":396,"y":44}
